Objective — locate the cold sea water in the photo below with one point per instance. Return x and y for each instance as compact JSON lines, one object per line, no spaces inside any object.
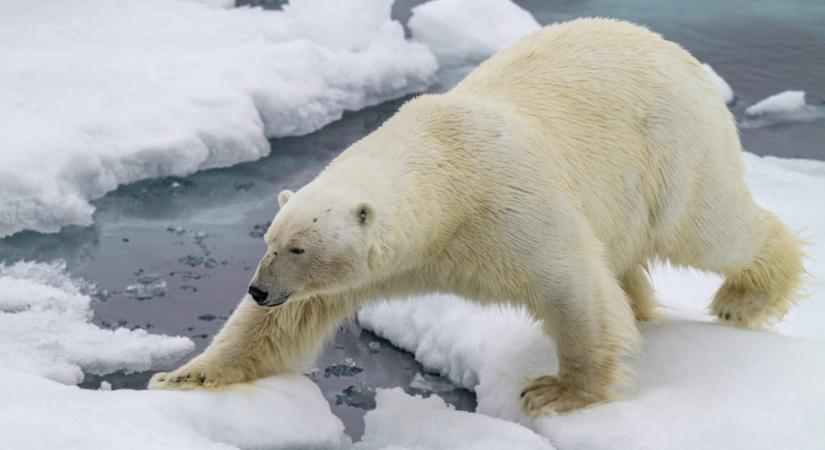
{"x":175,"y":255}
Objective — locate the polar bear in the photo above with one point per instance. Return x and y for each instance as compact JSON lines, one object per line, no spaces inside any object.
{"x":550,"y":177}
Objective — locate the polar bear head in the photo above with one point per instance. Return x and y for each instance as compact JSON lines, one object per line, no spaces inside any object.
{"x":321,"y":241}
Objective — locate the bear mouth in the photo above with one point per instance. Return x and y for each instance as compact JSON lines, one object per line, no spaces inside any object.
{"x":278,"y":299}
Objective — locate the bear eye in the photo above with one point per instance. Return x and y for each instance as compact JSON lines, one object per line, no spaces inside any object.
{"x":362,"y":215}
{"x":296,"y":250}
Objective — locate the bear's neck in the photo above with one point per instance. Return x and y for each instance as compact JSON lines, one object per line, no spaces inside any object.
{"x":420,"y":170}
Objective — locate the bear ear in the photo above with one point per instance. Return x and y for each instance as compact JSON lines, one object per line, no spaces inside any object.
{"x":364,"y":213}
{"x":283,"y":197}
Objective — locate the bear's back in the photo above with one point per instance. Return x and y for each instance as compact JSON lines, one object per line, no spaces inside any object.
{"x":629,"y":117}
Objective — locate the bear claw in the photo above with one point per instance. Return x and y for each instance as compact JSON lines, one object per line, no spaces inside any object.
{"x":546,"y":395}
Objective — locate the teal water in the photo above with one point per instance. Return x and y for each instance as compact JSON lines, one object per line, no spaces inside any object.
{"x":201,"y":234}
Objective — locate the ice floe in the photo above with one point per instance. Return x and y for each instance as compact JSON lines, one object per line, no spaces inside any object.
{"x":778,"y":103}
{"x":99,"y":93}
{"x":45,"y":329}
{"x":286,"y":412}
{"x":403,"y":422}
{"x":722,"y":86}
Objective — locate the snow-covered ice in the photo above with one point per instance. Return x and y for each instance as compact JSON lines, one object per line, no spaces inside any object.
{"x":699,"y":384}
{"x":286,"y":412}
{"x":45,"y":329}
{"x":99,"y":93}
{"x":467,"y":31}
{"x":784,"y":107}
{"x":722,"y":86}
{"x":402,"y":422}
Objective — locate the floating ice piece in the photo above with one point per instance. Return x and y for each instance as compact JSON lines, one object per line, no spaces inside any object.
{"x":699,"y":385}
{"x":466,"y":31}
{"x":100,"y":93}
{"x":285,"y":412}
{"x":722,"y":86}
{"x":45,"y":329}
{"x":785,"y":107}
{"x":358,"y":395}
{"x":403,"y":422}
{"x":148,"y":286}
{"x":342,"y":370}
{"x":430,"y":383}
{"x":781,"y":102}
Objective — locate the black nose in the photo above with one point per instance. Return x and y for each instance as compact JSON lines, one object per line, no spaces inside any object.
{"x":257,"y":294}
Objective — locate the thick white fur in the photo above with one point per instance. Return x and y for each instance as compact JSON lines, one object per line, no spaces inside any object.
{"x":550,"y":177}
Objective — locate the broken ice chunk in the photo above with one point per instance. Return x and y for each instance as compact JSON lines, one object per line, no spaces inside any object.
{"x":359,"y":395}
{"x":430,"y":383}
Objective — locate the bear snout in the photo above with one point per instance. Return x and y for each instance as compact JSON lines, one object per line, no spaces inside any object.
{"x":258,"y":295}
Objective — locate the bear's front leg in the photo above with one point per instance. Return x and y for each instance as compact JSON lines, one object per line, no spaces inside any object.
{"x":593,"y":326}
{"x":257,"y":342}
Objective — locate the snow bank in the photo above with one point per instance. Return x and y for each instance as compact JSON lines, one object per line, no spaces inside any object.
{"x":45,"y":329}
{"x":467,"y":31}
{"x":98,"y":93}
{"x":785,"y":107}
{"x":722,"y":86}
{"x":403,"y":422}
{"x":699,"y":384}
{"x":273,"y":413}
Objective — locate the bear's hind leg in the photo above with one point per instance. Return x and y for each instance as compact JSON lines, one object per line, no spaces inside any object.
{"x":764,"y":286}
{"x":636,"y":285}
{"x":593,"y":328}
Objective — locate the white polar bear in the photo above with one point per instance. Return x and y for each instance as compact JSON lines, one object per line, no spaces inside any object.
{"x":550,"y":177}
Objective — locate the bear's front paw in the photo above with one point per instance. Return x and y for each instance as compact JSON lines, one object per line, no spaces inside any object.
{"x":196,"y":377}
{"x":547,"y":395}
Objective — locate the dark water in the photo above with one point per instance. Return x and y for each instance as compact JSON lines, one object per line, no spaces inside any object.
{"x":201,"y":234}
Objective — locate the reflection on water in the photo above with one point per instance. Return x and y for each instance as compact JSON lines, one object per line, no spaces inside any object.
{"x":199,"y":237}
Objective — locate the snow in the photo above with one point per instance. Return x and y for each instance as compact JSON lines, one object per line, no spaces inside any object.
{"x":286,"y":412}
{"x":100,"y":93}
{"x":467,"y":31}
{"x":699,"y":384}
{"x":781,"y":102}
{"x":45,"y":329}
{"x":722,"y":86}
{"x":402,"y":422}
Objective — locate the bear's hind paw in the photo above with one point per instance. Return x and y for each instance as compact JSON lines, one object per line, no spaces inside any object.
{"x":547,"y":395}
